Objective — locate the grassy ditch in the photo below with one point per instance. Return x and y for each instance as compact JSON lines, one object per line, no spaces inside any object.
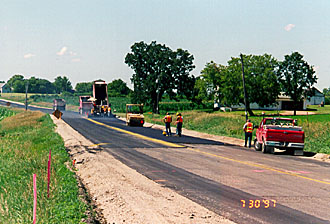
{"x":316,"y":127}
{"x":25,"y":142}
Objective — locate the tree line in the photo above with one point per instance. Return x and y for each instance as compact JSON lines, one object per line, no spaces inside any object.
{"x":62,"y":84}
{"x":18,"y":84}
{"x":161,"y":72}
{"x":265,"y":79}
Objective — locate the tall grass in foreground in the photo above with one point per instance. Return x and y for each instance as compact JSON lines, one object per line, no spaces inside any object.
{"x":5,"y":113}
{"x":24,"y":146}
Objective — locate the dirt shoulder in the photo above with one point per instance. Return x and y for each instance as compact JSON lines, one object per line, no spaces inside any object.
{"x":122,"y":194}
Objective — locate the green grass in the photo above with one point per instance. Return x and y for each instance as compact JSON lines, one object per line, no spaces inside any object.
{"x":24,"y":147}
{"x":5,"y":113}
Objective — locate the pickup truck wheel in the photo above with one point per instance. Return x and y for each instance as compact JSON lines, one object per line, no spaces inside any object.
{"x":264,"y":148}
{"x":257,"y":145}
{"x":267,"y":149}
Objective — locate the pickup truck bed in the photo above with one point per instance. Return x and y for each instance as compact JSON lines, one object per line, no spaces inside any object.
{"x":279,"y":133}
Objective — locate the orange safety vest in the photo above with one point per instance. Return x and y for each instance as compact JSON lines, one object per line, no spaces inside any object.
{"x":168,"y":119}
{"x":179,"y":119}
{"x":249,"y":127}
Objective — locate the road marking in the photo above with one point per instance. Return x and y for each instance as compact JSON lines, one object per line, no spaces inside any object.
{"x":105,"y":143}
{"x":138,"y":135}
{"x":260,"y":166}
{"x":259,"y":171}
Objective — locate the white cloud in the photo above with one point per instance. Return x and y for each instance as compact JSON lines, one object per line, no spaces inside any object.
{"x":289,"y":27}
{"x":75,"y":60}
{"x":5,"y":28}
{"x":62,"y":51}
{"x":29,"y":55}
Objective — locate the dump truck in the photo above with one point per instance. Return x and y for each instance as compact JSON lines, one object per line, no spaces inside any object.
{"x":134,"y":115}
{"x":85,"y":105}
{"x":100,"y":100}
{"x":59,"y":104}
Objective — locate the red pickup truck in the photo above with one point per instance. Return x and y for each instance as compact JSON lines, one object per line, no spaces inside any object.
{"x":281,"y":133}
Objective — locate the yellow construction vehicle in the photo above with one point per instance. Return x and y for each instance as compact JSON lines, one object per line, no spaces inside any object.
{"x":134,"y":115}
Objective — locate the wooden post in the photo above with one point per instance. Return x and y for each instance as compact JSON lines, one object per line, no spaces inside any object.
{"x":245,"y":94}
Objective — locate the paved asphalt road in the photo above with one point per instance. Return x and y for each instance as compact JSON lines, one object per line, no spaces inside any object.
{"x":240,"y":184}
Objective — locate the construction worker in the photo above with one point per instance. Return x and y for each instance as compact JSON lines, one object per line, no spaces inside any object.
{"x":248,"y":129}
{"x":168,"y":119}
{"x":109,"y":111}
{"x":179,"y":121}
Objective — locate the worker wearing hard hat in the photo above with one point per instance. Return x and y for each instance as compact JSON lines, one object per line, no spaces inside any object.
{"x":179,"y":121}
{"x":248,"y":129}
{"x":168,"y":119}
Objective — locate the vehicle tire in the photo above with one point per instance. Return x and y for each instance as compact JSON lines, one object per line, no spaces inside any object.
{"x":264,"y":148}
{"x":257,"y":145}
{"x":267,"y":149}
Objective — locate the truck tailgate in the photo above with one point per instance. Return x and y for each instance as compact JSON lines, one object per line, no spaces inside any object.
{"x":280,"y":134}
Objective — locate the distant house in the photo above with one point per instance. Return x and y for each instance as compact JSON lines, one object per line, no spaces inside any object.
{"x":317,"y":98}
{"x":284,"y":102}
{"x":4,"y":88}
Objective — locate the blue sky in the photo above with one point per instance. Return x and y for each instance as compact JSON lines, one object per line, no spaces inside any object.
{"x":86,"y":40}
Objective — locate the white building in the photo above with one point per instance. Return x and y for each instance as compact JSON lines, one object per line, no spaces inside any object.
{"x":4,"y":88}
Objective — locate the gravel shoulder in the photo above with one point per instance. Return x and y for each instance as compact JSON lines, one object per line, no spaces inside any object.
{"x":122,"y":194}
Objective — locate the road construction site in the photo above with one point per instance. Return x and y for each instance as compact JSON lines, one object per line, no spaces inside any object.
{"x":137,"y":175}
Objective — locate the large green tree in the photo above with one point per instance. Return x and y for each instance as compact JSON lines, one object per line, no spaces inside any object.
{"x":118,"y":88}
{"x":37,"y":85}
{"x":261,"y":81}
{"x":159,"y":70}
{"x":297,"y":77}
{"x":213,"y":75}
{"x":201,"y":93}
{"x":84,"y":88}
{"x":17,"y":83}
{"x":62,"y":84}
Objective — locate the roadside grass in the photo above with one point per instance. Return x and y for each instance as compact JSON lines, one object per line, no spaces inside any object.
{"x":5,"y":113}
{"x":25,"y":142}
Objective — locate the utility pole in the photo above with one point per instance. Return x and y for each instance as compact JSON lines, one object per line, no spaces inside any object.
{"x":26,"y":90}
{"x":245,"y":95}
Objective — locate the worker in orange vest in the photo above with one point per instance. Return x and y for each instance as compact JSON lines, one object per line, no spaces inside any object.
{"x":179,"y":121}
{"x":168,"y":119}
{"x":109,"y":111}
{"x":248,"y":129}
